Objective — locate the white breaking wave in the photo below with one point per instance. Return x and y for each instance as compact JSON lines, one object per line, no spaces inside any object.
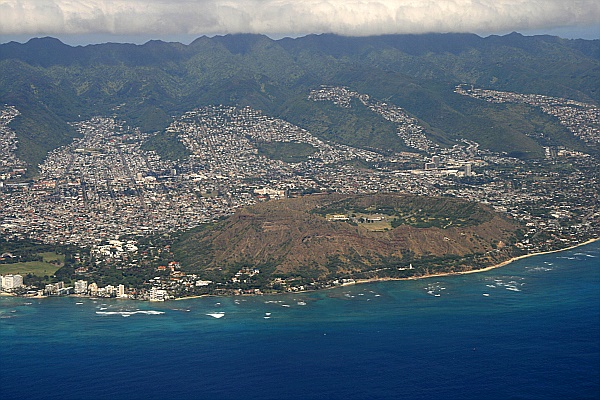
{"x":129,"y":313}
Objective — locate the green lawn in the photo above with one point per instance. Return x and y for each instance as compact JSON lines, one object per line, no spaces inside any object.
{"x":52,"y":256}
{"x":290,"y":152}
{"x":376,"y":226}
{"x":39,"y":268}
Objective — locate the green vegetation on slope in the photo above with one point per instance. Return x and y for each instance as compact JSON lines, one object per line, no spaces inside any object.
{"x":356,"y":126}
{"x":167,"y":145}
{"x":52,"y":84}
{"x":420,"y":212}
{"x":289,"y":152}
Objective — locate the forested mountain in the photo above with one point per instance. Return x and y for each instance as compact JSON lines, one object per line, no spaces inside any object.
{"x":52,"y":84}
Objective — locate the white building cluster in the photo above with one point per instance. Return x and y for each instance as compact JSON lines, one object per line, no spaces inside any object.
{"x":10,"y":282}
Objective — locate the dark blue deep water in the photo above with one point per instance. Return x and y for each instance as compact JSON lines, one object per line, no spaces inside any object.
{"x":530,"y":330}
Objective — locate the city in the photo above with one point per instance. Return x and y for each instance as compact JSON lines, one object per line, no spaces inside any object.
{"x":105,"y":194}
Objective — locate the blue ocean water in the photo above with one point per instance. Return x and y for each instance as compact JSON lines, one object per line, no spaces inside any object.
{"x":530,"y":330}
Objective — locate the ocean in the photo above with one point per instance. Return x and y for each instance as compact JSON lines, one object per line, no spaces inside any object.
{"x":529,"y":330}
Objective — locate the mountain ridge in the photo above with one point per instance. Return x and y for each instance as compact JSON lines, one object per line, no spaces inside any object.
{"x":415,"y":72}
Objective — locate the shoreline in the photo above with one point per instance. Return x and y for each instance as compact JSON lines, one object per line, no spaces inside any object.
{"x":361,"y":281}
{"x":198,"y":296}
{"x":474,"y":271}
{"x":375,"y":280}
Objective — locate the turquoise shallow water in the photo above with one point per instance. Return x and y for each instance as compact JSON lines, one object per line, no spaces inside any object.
{"x":530,"y":330}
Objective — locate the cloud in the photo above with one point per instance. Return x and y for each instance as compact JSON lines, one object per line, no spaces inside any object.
{"x":272,"y":17}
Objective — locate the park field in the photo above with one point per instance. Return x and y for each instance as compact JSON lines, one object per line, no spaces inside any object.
{"x":39,"y":268}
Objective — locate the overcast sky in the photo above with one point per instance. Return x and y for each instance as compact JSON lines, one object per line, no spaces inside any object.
{"x":93,"y":21}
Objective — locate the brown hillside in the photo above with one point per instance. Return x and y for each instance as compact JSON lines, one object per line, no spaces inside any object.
{"x":295,"y":234}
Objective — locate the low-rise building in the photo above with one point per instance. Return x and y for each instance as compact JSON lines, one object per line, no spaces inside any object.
{"x":158,"y":294}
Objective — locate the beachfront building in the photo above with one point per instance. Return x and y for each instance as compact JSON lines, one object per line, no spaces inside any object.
{"x":10,"y":282}
{"x":81,"y":287}
{"x":158,"y":294}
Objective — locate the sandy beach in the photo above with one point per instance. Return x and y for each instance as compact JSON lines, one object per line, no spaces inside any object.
{"x":193,"y":297}
{"x":473,"y":271}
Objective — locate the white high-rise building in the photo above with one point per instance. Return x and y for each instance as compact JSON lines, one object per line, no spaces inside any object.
{"x":121,"y":291}
{"x":10,"y":282}
{"x":468,"y":171}
{"x":81,"y":287}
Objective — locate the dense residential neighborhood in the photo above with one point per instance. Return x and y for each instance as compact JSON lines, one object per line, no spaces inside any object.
{"x":105,"y":194}
{"x":11,"y":167}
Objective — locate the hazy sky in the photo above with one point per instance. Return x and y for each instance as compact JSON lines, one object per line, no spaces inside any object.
{"x":102,"y":20}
